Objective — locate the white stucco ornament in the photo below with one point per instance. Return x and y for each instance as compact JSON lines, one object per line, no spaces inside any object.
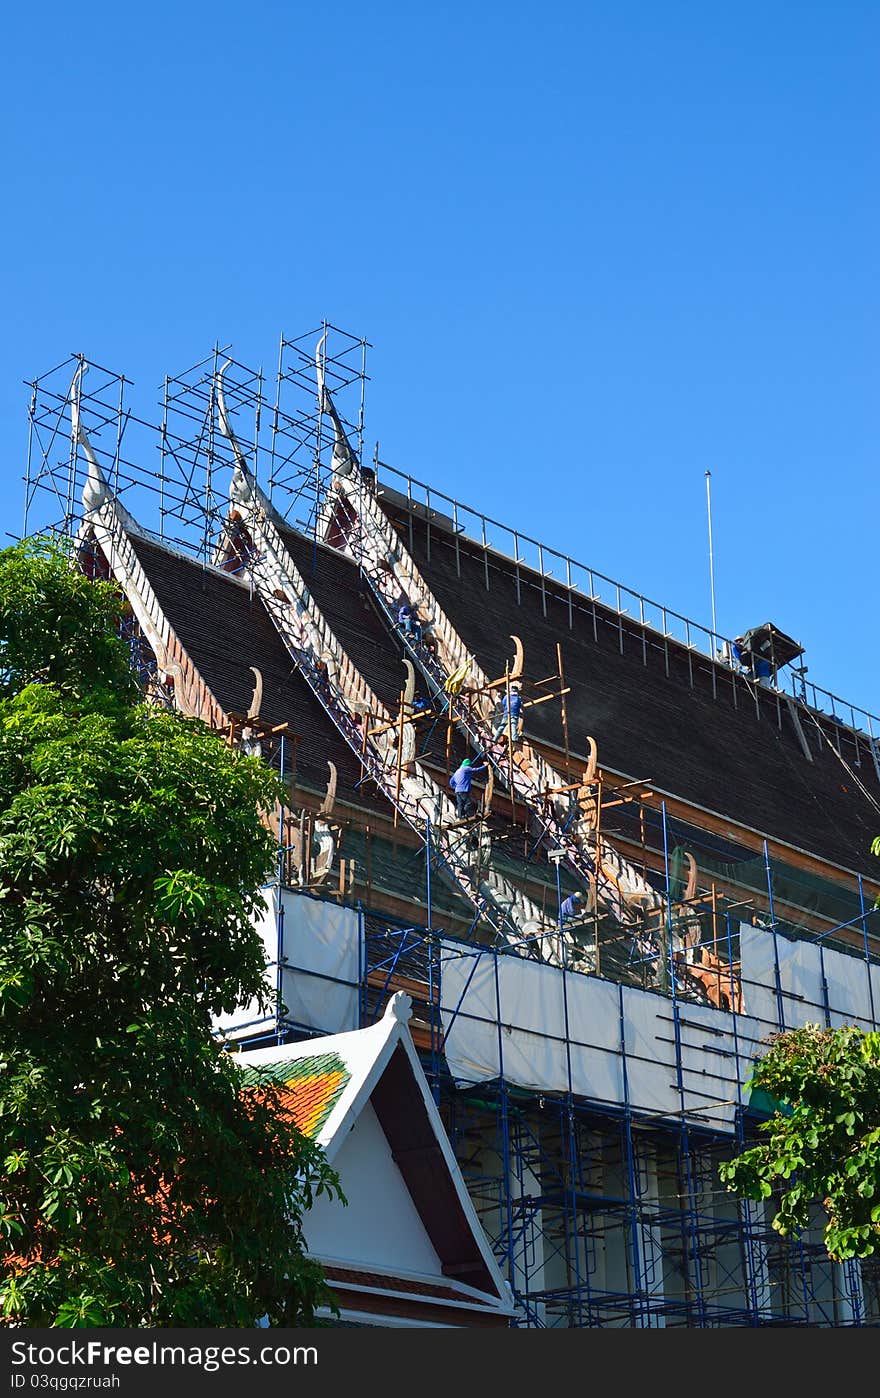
{"x":399,"y":1007}
{"x":95,"y":490}
{"x":238,"y":486}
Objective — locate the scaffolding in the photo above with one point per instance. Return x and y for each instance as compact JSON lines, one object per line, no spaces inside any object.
{"x":173,"y":470}
{"x":603,"y":1214}
{"x":610,"y":1216}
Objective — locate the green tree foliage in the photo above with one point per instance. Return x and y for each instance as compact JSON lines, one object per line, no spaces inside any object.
{"x":140,"y":1185}
{"x":55,"y":626}
{"x":824,"y":1147}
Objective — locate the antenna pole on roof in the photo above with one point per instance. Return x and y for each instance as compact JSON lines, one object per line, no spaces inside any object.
{"x":711,"y":561}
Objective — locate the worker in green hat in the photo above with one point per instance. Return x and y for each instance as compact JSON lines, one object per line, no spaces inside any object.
{"x":460,"y":781}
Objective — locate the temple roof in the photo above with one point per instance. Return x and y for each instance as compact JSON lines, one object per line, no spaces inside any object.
{"x":692,"y":728}
{"x":695,"y":730}
{"x":225,"y":630}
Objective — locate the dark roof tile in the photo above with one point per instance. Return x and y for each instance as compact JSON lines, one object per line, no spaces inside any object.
{"x":738,"y":760}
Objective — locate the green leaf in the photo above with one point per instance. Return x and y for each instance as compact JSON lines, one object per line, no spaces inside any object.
{"x":131,"y":844}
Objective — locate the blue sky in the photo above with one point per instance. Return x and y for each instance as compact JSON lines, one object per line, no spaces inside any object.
{"x":598,"y":248}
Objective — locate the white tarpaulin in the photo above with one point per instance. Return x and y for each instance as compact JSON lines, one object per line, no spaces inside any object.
{"x":526,"y":1034}
{"x":685,"y":1059}
{"x":800,"y":978}
{"x":717,"y":1054}
{"x":803,"y":966}
{"x":849,"y":995}
{"x":320,"y":965}
{"x":505,"y":1015}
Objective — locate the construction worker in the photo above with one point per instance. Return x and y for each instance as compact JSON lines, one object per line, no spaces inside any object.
{"x":751,"y":663}
{"x":322,"y":675}
{"x":460,"y":781}
{"x":512,"y":704}
{"x":571,"y":907}
{"x":408,"y":622}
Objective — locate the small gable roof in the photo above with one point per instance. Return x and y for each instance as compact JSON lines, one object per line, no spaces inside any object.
{"x":329,"y":1081}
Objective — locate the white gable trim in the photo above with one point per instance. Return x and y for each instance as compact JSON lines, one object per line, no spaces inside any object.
{"x":366,"y":1053}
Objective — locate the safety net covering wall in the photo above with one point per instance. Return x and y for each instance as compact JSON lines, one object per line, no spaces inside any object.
{"x":608,"y":1043}
{"x":787,"y":983}
{"x":315,"y":946}
{"x":505,"y":1017}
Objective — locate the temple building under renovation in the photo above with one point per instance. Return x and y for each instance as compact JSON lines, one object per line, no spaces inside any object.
{"x":603,"y":850}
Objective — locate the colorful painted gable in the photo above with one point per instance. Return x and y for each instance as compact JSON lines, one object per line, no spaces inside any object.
{"x":309,"y":1088}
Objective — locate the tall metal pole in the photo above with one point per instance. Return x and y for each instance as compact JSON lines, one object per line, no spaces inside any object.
{"x":28,"y":480}
{"x":428,"y":872}
{"x":279,"y":925}
{"x":711,"y":560}
{"x":432,"y":1012}
{"x":867,"y":949}
{"x":780,"y":1004}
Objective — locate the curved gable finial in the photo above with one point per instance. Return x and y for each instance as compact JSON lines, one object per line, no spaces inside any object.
{"x":238,"y":484}
{"x":399,"y":1007}
{"x":95,"y":490}
{"x":257,"y":697}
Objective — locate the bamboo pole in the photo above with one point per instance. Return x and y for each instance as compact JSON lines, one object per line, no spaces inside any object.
{"x":510,"y":743}
{"x":596,"y":869}
{"x":544,"y":698}
{"x":448,"y":742}
{"x":399,"y":758}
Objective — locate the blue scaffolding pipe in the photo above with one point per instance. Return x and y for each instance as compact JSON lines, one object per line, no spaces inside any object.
{"x":505,"y":1122}
{"x":750,"y":1267}
{"x":362,"y":966}
{"x":867,"y":952}
{"x":557,"y":1219}
{"x":851,"y":922}
{"x":434,"y":1036}
{"x":780,"y":1006}
{"x":454,"y":1016}
{"x":569,"y":1111}
{"x":394,"y":961}
{"x":826,"y":1005}
{"x":688,"y":1220}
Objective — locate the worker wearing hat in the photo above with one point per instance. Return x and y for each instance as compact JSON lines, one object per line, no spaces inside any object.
{"x":460,"y":781}
{"x":572,"y":906}
{"x":512,"y":705}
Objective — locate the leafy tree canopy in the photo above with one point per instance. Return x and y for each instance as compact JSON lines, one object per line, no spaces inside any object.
{"x":824,"y":1148}
{"x":140,"y":1185}
{"x":56,"y":627}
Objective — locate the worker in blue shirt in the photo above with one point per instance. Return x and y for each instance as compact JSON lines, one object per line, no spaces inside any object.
{"x":752,"y":663}
{"x":460,"y":781}
{"x":513,"y":703}
{"x":406,"y":620}
{"x":572,"y":906}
